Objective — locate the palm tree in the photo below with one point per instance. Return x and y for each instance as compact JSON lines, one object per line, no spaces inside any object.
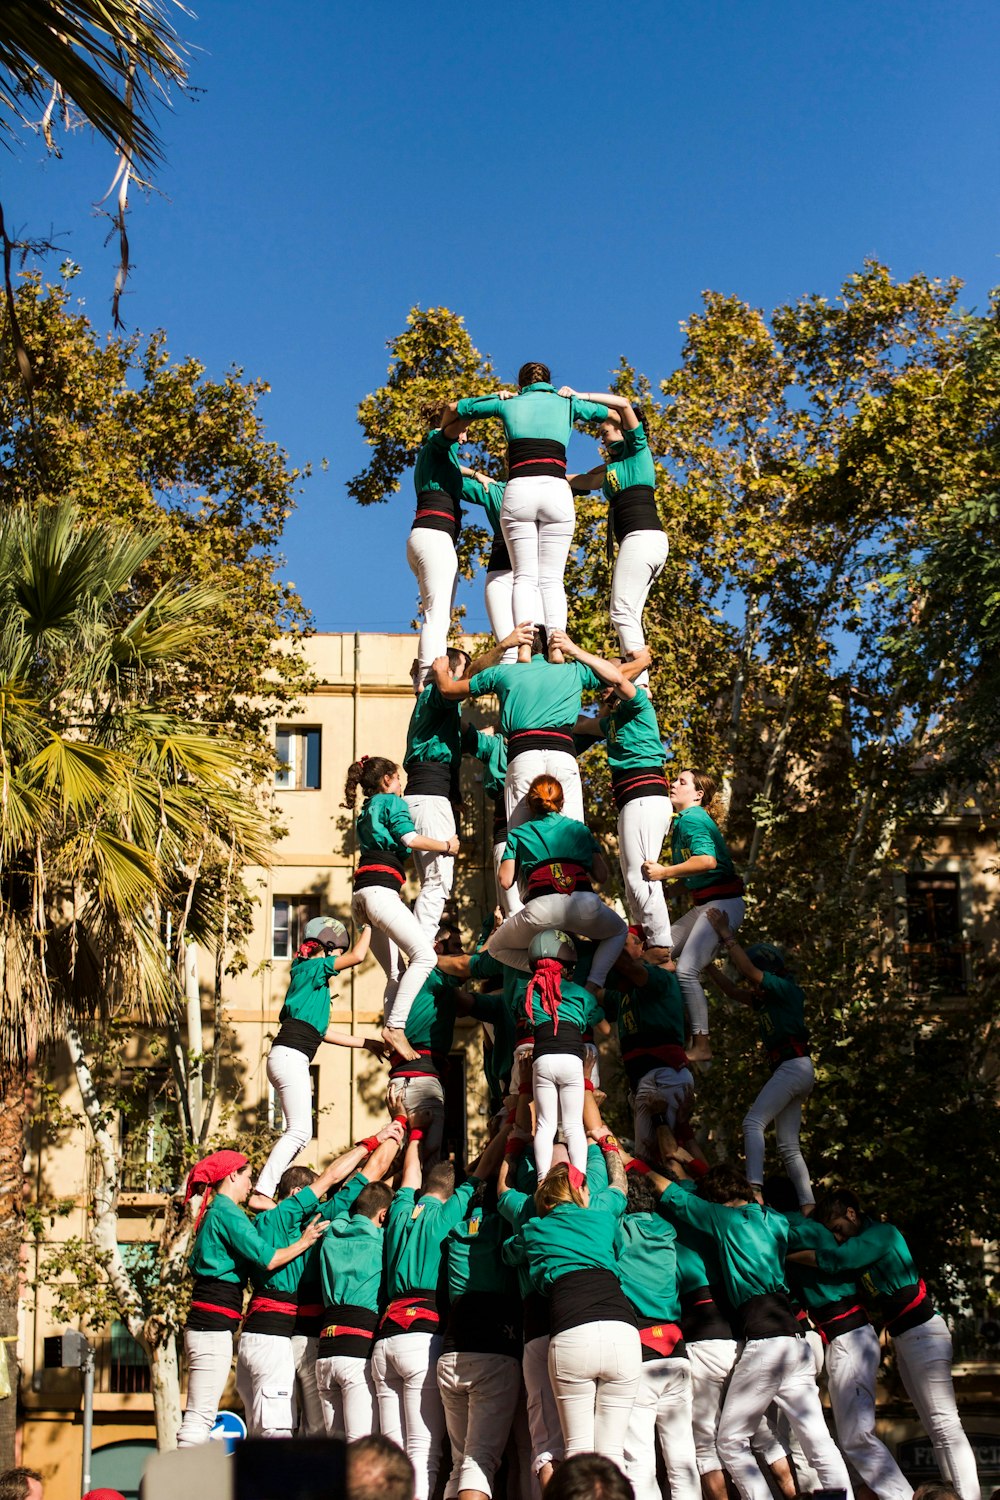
{"x":110,"y":805}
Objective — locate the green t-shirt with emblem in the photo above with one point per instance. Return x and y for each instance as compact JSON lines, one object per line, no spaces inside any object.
{"x":629,"y":462}
{"x":695,"y":832}
{"x":780,"y":1008}
{"x":553,"y":837}
{"x":437,"y":466}
{"x":633,"y":734}
{"x":415,"y":1232}
{"x":383,"y":822}
{"x":751,"y":1240}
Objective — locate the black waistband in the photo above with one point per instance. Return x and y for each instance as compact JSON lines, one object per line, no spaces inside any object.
{"x":216,"y":1306}
{"x":835,"y":1318}
{"x":499,"y":819}
{"x":704,"y":1316}
{"x":379,"y":867}
{"x":907,"y":1309}
{"x":644,"y":781}
{"x":540,"y":739}
{"x":529,"y":458}
{"x":437,"y":511}
{"x":634,"y":509}
{"x":536,"y":1316}
{"x":499,"y":558}
{"x":426,"y":1064}
{"x":483,"y":1323}
{"x":769,"y":1315}
{"x":557,"y":877}
{"x":648,"y":1051}
{"x":347,"y":1329}
{"x":428,"y":778}
{"x":722,"y":890}
{"x":298,"y":1036}
{"x":787,"y":1051}
{"x":660,"y":1339}
{"x":567,"y":1041}
{"x":591,"y":1295}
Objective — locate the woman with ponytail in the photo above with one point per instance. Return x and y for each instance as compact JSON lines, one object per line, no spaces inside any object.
{"x":703,"y":863}
{"x":556,"y":861}
{"x":386,"y":836}
{"x":227,"y":1250}
{"x":303,"y":1024}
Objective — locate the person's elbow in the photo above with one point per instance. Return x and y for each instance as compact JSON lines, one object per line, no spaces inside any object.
{"x":506,"y":874}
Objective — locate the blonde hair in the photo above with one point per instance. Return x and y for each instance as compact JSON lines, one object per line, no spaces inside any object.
{"x":710,"y":799}
{"x":556,"y":1188}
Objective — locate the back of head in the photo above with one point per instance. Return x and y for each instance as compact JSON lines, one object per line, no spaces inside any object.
{"x":533,"y":373}
{"x":540,"y":641}
{"x":779,"y":1192}
{"x":545,"y":795}
{"x":836,"y":1204}
{"x":20,"y":1484}
{"x":294,"y":1178}
{"x":723,"y":1183}
{"x":556,"y":1188}
{"x":458,"y":660}
{"x":371,"y":1200}
{"x":440,"y":1180}
{"x":378,"y":1470}
{"x":551,"y":943}
{"x":936,"y":1489}
{"x":767,"y":957}
{"x":588,"y":1476}
{"x":642,"y":1196}
{"x":369,"y":773}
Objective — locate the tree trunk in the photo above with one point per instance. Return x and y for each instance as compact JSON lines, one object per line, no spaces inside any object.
{"x":166,"y":1386}
{"x":12,"y":1126}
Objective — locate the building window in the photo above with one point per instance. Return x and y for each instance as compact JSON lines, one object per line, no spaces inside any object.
{"x":276,"y":1120}
{"x":289,"y":915}
{"x":934,"y":948}
{"x":298,"y":752}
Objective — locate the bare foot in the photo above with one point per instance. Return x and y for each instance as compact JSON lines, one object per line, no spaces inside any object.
{"x":259,"y":1203}
{"x":700,"y":1049}
{"x":396,"y":1039}
{"x":556,"y":657}
{"x":524,"y":654}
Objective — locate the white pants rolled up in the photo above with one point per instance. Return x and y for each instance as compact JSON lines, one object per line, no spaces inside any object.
{"x":310,"y":1408}
{"x":852,"y":1361}
{"x":557,"y":1086}
{"x":265,"y":1378}
{"x":435,"y":818}
{"x":409,"y":1403}
{"x":924,"y":1354}
{"x":537,"y":520}
{"x":395,"y":931}
{"x":499,"y":598}
{"x":781,"y":1100}
{"x":521,"y":772}
{"x":595,"y":1371}
{"x":642,"y":832}
{"x":408,"y":1096}
{"x":581,"y":912}
{"x":347,"y":1392}
{"x":780,"y":1370}
{"x":433,"y":559}
{"x":288,"y":1075}
{"x":543,"y":1414}
{"x":209,"y":1359}
{"x":639,"y":563}
{"x":662,"y":1413}
{"x":479,"y":1393}
{"x":661,"y":1091}
{"x":696,"y":943}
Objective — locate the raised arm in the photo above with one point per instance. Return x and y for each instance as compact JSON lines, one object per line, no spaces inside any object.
{"x":359,"y":952}
{"x":621,"y":404}
{"x":610,"y":673}
{"x":725,"y":986}
{"x":521,"y":635}
{"x":737,"y":956}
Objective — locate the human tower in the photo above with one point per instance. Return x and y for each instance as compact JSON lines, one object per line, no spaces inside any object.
{"x":565,"y":1295}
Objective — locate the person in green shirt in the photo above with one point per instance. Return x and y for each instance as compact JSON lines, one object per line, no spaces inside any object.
{"x":703,"y":864}
{"x":780,"y":1003}
{"x":537,"y":517}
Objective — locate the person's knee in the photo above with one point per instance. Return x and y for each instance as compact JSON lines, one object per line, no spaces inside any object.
{"x":753,"y":1125}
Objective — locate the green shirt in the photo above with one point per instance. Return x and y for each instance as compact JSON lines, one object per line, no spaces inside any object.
{"x":538,"y":412}
{"x":351,"y":1263}
{"x":569,"y":1238}
{"x":551,"y":837}
{"x":474,"y":1259}
{"x":633,"y":735}
{"x":490,"y":498}
{"x":415,"y":1232}
{"x":382,"y":823}
{"x":878,"y":1253}
{"x":752,"y":1241}
{"x":228,"y":1247}
{"x":647,"y":1266}
{"x":780,"y":1008}
{"x":281,"y":1226}
{"x":336,"y":1207}
{"x":577,"y":1007}
{"x":491,"y":750}
{"x":308,"y":995}
{"x":437,"y":466}
{"x":430,"y":1026}
{"x":648,"y":1013}
{"x":435,"y":731}
{"x":694,"y":832}
{"x":815,"y":1289}
{"x":536,"y":694}
{"x":629,"y":462}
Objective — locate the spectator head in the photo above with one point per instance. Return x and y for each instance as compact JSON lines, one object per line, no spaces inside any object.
{"x":21,"y":1484}
{"x":378,"y":1470}
{"x":588,"y":1476}
{"x":936,"y":1489}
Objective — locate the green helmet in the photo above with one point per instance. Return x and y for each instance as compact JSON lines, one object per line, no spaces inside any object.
{"x":552,"y":944}
{"x":767,"y":957}
{"x":328,"y":931}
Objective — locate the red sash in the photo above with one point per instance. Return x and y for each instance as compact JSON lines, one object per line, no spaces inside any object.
{"x":663,"y":1337}
{"x":213,"y":1307}
{"x":405,"y":1311}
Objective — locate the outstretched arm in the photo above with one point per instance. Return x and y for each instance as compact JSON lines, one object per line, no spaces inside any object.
{"x":520,"y":636}
{"x":583,"y":484}
{"x":725,"y":986}
{"x":359,"y":952}
{"x":621,"y":404}
{"x":737,"y":955}
{"x":609,"y":672}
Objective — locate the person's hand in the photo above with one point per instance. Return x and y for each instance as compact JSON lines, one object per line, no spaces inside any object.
{"x":441,"y":667}
{"x":314,"y":1230}
{"x":567,"y":391}
{"x":454,"y":844}
{"x":560,"y":641}
{"x":378,"y":1047}
{"x":391,"y":1132}
{"x":521,"y":635}
{"x":652,"y":871}
{"x":483,"y":479}
{"x":506,"y":395}
{"x":718,"y":920}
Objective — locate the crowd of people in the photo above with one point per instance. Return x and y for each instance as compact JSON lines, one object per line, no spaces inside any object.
{"x":568,"y":1292}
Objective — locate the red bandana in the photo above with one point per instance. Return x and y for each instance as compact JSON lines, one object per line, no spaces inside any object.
{"x":547,"y":983}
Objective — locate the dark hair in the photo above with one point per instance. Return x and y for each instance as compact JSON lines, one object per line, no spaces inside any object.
{"x":372,"y":1199}
{"x":293,"y":1178}
{"x":588,"y":1476}
{"x":936,"y":1489}
{"x":640,"y":412}
{"x":369,"y":773}
{"x":540,"y":641}
{"x":440,"y":1179}
{"x":779,"y":1192}
{"x":456,"y":654}
{"x":545,"y":795}
{"x":14,"y":1483}
{"x":532,"y":373}
{"x":378,"y":1470}
{"x":723,"y":1182}
{"x":835,"y":1205}
{"x":642,"y":1195}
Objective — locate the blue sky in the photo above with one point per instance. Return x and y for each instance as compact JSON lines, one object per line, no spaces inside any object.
{"x":569,"y":178}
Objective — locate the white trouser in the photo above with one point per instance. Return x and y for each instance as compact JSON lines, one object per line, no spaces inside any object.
{"x":521,"y":772}
{"x":662,"y":1411}
{"x":582,"y":912}
{"x":500,"y":609}
{"x":432,"y":557}
{"x":310,"y":1408}
{"x":288,"y":1075}
{"x":347,"y":1391}
{"x":639,"y":563}
{"x":209,"y":1358}
{"x":480,"y":1393}
{"x":642,"y":830}
{"x":661,"y":1091}
{"x":409,"y":1404}
{"x":557,"y":1085}
{"x":519,"y":1452}
{"x":711,"y":1362}
{"x":508,"y":901}
{"x":543,"y":1413}
{"x":435,"y":818}
{"x":779,"y":1370}
{"x":395,"y":931}
{"x":408,"y":1095}
{"x":595,"y":1371}
{"x":265,"y":1379}
{"x":696,"y":943}
{"x":852,"y":1361}
{"x":780,"y":1100}
{"x":924,"y":1354}
{"x":537,"y":520}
